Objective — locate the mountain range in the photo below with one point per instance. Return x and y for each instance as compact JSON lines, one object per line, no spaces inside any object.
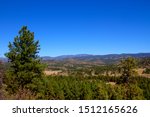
{"x":91,"y":58}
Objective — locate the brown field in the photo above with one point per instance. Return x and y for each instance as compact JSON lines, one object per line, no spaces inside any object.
{"x":56,"y":72}
{"x":60,"y":72}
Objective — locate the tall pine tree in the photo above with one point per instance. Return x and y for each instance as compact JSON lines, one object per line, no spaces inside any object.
{"x":127,"y":68}
{"x":26,"y":66}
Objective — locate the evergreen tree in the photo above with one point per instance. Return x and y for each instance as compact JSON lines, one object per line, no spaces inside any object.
{"x":127,"y":68}
{"x":25,"y":66}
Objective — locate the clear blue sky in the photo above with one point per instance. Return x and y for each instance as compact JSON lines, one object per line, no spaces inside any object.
{"x":78,"y":26}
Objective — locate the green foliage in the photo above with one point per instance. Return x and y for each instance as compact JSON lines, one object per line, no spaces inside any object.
{"x":73,"y":88}
{"x":127,"y":68}
{"x":102,"y":92}
{"x":127,"y":92}
{"x":144,"y":84}
{"x":25,"y":63}
{"x":134,"y":92}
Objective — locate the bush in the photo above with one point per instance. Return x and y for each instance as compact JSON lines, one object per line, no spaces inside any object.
{"x":146,"y":71}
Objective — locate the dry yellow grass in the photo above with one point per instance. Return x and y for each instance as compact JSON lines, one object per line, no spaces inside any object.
{"x":111,"y":83}
{"x":49,"y":72}
{"x":59,"y":72}
{"x":140,"y":72}
{"x":54,"y":73}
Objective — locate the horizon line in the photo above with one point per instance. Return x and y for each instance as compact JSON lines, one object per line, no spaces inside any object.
{"x":89,"y":54}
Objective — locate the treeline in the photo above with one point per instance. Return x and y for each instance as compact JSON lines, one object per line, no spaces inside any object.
{"x":90,"y":88}
{"x":74,"y":88}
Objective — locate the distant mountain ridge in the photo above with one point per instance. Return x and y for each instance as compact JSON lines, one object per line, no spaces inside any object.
{"x":3,"y":59}
{"x":86,"y":56}
{"x":65,"y":57}
{"x":91,"y":58}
